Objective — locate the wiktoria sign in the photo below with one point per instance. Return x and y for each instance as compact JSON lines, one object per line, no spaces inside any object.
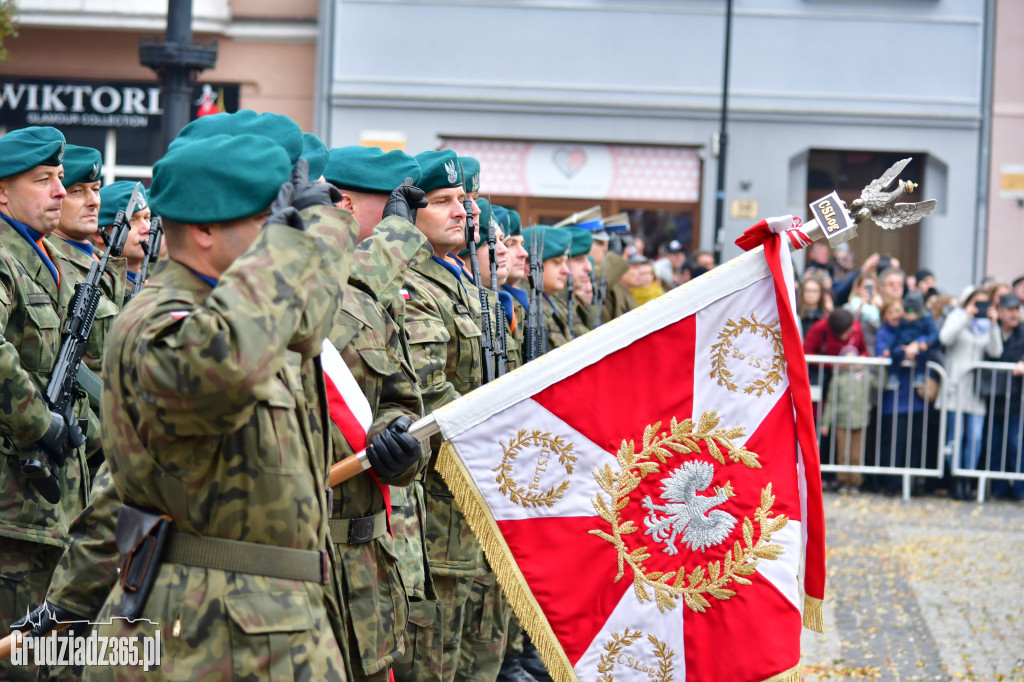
{"x":106,"y":104}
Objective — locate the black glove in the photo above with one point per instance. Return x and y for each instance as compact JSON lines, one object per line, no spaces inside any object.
{"x":393,"y":451}
{"x":282,"y":212}
{"x":404,"y":201}
{"x":311,"y":193}
{"x":55,"y":441}
{"x":45,"y":617}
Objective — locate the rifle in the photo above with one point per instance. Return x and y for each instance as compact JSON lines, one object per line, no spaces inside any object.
{"x":532,"y":332}
{"x":502,"y":322}
{"x":600,"y":294}
{"x":569,"y":296}
{"x":62,"y":390}
{"x":152,"y":250}
{"x":487,"y":339}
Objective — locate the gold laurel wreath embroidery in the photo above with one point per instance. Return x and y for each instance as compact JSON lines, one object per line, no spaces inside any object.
{"x":720,"y":353}
{"x":712,"y":579}
{"x":519,"y":494}
{"x":614,"y":646}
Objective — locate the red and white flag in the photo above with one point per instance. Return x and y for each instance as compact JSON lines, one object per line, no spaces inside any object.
{"x":649,"y":494}
{"x":348,"y":407}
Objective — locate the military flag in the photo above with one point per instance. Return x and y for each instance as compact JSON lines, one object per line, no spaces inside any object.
{"x":649,"y":495}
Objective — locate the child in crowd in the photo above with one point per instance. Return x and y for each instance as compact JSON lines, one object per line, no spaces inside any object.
{"x":907,"y":332}
{"x":848,"y":406}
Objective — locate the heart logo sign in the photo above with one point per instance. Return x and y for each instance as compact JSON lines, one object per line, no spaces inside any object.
{"x":569,"y":160}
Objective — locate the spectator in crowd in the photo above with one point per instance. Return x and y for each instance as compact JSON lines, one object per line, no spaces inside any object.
{"x":814,"y":302}
{"x":704,"y":259}
{"x":688,"y":271}
{"x":907,"y":333}
{"x":848,"y":407}
{"x":818,"y":259}
{"x":865,"y":304}
{"x":1002,"y":394}
{"x":891,"y":283}
{"x":908,"y":337}
{"x":641,"y":281}
{"x":1018,"y":287}
{"x":996,"y":289}
{"x":924,"y":282}
{"x":667,"y":267}
{"x":837,"y":331}
{"x":968,"y":333}
{"x":843,"y":259}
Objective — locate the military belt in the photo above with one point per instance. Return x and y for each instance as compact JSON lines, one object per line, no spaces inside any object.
{"x":248,"y":557}
{"x":358,"y":531}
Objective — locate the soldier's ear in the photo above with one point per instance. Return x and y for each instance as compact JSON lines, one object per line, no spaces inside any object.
{"x":202,"y":235}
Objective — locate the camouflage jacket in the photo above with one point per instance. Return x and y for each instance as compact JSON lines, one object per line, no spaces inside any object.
{"x":445,"y":341}
{"x":207,"y":417}
{"x":30,"y":331}
{"x":372,"y":588}
{"x":584,"y":316}
{"x":556,"y":322}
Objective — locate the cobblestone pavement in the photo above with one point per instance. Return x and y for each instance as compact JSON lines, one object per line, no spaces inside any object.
{"x":930,"y":589}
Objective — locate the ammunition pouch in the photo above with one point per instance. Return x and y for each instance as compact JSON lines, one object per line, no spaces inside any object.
{"x":141,"y":538}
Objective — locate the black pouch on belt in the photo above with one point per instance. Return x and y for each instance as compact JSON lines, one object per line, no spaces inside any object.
{"x":141,"y":538}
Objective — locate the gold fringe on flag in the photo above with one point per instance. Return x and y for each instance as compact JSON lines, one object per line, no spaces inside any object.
{"x":791,"y":675}
{"x":814,"y":617}
{"x":504,"y":564}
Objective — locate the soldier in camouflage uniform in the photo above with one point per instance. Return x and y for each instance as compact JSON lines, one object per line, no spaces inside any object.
{"x":33,"y":529}
{"x":444,"y":337}
{"x":209,"y":417}
{"x":70,"y":245}
{"x":114,"y":198}
{"x":374,"y":348}
{"x":582,"y":289}
{"x":555,"y":256}
{"x":619,"y":301}
{"x":517,"y":267}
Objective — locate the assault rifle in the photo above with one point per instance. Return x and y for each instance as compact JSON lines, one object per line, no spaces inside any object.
{"x":533,"y":332}
{"x":569,"y":298}
{"x":487,"y":338}
{"x":152,"y":250}
{"x":600,"y":294}
{"x":63,"y":390}
{"x":502,"y":322}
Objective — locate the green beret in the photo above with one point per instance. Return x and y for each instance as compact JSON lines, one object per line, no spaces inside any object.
{"x":115,"y":197}
{"x":500,"y":214}
{"x":23,"y":149}
{"x":555,"y":241}
{"x":369,"y":169}
{"x":227,"y":177}
{"x":81,"y":164}
{"x":485,"y":218}
{"x":514,"y":228}
{"x":471,"y":171}
{"x":582,"y":240}
{"x":316,"y":153}
{"x":439,"y":170}
{"x":281,"y":129}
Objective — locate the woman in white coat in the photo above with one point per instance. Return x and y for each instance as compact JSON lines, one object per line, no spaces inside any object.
{"x":967,"y":333}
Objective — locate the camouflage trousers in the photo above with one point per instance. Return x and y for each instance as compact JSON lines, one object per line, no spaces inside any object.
{"x":484,"y":631}
{"x":514,"y":642}
{"x":434,"y":635}
{"x":221,"y":625}
{"x":25,"y":572}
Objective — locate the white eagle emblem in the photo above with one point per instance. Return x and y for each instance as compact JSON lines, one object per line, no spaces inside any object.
{"x":453,"y":173}
{"x":95,"y":171}
{"x":476,"y":183}
{"x":687,"y":512}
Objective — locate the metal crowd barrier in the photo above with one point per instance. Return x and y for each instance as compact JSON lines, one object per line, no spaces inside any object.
{"x":890,"y":449}
{"x":1002,"y":429}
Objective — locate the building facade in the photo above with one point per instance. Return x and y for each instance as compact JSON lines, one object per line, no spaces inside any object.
{"x":569,"y":103}
{"x":75,"y":65}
